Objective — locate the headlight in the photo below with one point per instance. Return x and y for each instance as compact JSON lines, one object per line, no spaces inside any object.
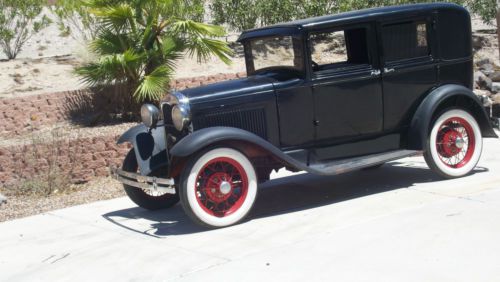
{"x":180,"y":117}
{"x":150,"y":115}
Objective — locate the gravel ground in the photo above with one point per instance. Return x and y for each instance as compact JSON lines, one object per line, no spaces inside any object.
{"x":66,"y":131}
{"x":96,"y":190}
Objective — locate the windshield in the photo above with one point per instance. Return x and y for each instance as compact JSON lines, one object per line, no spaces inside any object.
{"x":274,"y":53}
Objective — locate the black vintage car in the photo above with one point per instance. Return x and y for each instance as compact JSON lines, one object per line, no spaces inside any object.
{"x":325,"y":95}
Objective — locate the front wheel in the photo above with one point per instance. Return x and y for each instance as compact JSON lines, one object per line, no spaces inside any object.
{"x":146,"y":199}
{"x":218,"y":187}
{"x":454,"y":145}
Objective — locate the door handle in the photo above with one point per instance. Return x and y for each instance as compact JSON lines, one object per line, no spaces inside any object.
{"x":389,"y":70}
{"x":375,"y":72}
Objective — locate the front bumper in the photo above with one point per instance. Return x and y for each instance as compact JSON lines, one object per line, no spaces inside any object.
{"x":151,"y":183}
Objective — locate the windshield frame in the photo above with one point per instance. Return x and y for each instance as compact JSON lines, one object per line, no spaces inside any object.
{"x":298,"y":48}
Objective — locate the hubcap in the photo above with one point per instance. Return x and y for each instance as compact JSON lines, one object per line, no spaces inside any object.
{"x":225,"y":187}
{"x":455,"y":142}
{"x":460,"y":143}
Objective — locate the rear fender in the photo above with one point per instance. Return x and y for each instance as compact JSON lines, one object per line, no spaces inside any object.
{"x":149,"y":146}
{"x":445,"y":95}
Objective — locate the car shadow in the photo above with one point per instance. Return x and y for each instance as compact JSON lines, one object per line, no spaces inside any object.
{"x":285,"y":195}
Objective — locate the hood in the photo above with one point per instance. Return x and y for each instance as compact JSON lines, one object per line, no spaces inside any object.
{"x":230,"y":88}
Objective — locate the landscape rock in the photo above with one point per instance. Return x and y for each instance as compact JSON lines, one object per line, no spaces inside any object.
{"x":495,"y":87}
{"x":485,"y":61}
{"x":487,"y":69}
{"x":495,"y":76}
{"x":495,"y":99}
{"x":485,"y":100}
{"x":3,"y":199}
{"x":478,"y":42}
{"x":483,"y":81}
{"x":481,"y":93}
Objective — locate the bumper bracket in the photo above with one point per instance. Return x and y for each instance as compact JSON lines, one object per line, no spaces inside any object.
{"x":151,"y":183}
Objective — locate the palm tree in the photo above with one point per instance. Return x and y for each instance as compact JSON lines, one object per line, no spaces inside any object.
{"x":139,"y":40}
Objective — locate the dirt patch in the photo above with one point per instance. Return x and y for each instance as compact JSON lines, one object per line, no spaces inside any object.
{"x":96,"y":190}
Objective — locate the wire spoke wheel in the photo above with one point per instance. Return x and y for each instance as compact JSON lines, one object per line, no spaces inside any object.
{"x":218,"y":187}
{"x":221,"y":186}
{"x":454,"y":145}
{"x":455,"y":142}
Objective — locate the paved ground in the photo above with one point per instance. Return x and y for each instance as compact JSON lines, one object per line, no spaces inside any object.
{"x":397,"y":223}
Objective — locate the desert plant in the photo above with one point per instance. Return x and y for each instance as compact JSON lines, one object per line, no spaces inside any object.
{"x":74,"y":19}
{"x":138,"y":42}
{"x":47,"y":162}
{"x":19,"y":20}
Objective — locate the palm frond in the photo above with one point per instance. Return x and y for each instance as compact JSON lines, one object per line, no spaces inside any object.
{"x":154,"y":85}
{"x":108,"y":43}
{"x":195,"y":28}
{"x":203,"y":48}
{"x":120,"y":16}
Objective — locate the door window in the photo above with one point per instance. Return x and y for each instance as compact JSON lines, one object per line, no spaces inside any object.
{"x":406,"y":40}
{"x":339,"y":49}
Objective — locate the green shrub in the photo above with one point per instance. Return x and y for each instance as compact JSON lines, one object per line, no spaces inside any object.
{"x":19,"y":20}
{"x":246,"y":14}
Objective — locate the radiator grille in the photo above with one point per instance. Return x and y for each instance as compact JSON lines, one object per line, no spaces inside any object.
{"x":253,"y":120}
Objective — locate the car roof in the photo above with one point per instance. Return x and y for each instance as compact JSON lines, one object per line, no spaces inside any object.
{"x":348,"y":17}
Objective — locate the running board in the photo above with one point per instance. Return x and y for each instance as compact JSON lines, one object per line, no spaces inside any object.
{"x":346,"y":165}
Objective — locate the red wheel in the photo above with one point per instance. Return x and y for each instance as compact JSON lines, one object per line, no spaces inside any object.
{"x":454,"y":145}
{"x":222,"y":186}
{"x":455,"y":142}
{"x":218,"y":188}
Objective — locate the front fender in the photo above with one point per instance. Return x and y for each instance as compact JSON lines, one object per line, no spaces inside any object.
{"x":208,"y":136}
{"x":149,"y":146}
{"x":420,"y":125}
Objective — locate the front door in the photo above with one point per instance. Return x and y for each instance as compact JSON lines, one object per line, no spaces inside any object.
{"x":346,"y":84}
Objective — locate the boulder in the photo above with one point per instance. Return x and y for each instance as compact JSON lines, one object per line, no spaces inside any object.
{"x":3,"y":199}
{"x":485,"y":101}
{"x":485,"y":61}
{"x":495,"y":99}
{"x":481,"y":92}
{"x":478,"y":42}
{"x":482,"y":81}
{"x":487,"y":69}
{"x":495,"y":76}
{"x":495,"y":87}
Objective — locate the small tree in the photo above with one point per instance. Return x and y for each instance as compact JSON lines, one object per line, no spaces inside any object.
{"x":74,"y":19}
{"x":19,"y":20}
{"x":138,"y":42}
{"x":239,"y":15}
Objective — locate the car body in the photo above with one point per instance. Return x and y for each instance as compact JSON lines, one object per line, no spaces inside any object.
{"x":324,"y":95}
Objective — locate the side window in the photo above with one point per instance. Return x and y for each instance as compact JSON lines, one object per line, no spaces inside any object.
{"x":406,"y":40}
{"x":339,"y":49}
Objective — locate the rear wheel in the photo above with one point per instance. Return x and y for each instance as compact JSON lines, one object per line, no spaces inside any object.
{"x":145,"y":198}
{"x":454,"y":145}
{"x":218,"y":187}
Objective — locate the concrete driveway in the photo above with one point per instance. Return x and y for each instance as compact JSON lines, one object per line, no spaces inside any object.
{"x":396,"y":223}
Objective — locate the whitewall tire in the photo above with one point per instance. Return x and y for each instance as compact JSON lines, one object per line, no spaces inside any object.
{"x":218,"y":187}
{"x":454,"y":144}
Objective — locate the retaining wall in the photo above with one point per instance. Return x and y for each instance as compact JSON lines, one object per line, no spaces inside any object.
{"x":82,"y":158}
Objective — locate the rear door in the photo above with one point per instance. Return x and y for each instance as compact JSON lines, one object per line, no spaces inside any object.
{"x":346,"y":83}
{"x":409,"y":68}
